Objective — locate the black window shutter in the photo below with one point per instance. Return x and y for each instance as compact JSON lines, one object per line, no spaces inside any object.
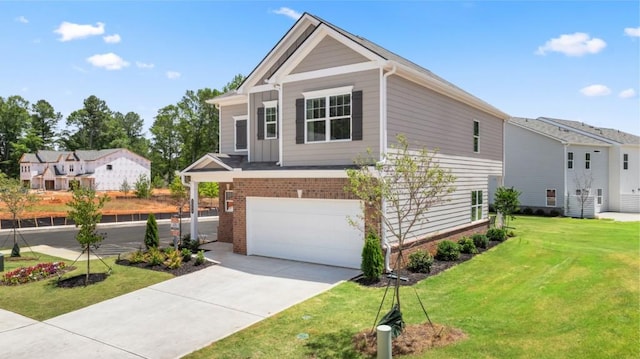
{"x":241,"y":135}
{"x":356,"y":116}
{"x":261,"y":123}
{"x":299,"y":120}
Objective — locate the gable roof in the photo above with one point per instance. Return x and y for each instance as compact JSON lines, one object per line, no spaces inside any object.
{"x":45,"y":156}
{"x":574,"y":132}
{"x":386,"y":58}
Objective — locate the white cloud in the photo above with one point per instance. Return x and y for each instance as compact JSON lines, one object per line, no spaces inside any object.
{"x":108,"y":61}
{"x":628,"y":93}
{"x":576,"y":44}
{"x":143,"y":65}
{"x":632,"y":31}
{"x":288,"y":12}
{"x":22,"y":19}
{"x":172,"y":75}
{"x":112,"y":39}
{"x":69,"y":31}
{"x":595,"y":90}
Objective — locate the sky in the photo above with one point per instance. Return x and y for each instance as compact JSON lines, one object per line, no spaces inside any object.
{"x":574,"y":60}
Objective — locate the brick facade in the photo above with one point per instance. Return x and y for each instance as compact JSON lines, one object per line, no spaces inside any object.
{"x":225,"y":219}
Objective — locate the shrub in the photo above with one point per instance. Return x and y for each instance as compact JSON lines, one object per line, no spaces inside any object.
{"x":480,"y":240}
{"x":155,"y":257}
{"x":554,"y":213}
{"x":187,"y":243}
{"x":200,"y":258}
{"x":497,"y":234}
{"x":151,"y":239}
{"x":420,"y":261}
{"x":467,"y":245}
{"x":186,"y":254}
{"x":511,"y":234}
{"x":137,"y":257}
{"x":174,"y":259}
{"x":372,"y":264}
{"x":540,"y":212}
{"x":448,"y":251}
{"x":527,"y":210}
{"x":142,"y":187}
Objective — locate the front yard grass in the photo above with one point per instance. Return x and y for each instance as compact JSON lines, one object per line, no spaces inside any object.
{"x":563,"y":288}
{"x":42,"y":300}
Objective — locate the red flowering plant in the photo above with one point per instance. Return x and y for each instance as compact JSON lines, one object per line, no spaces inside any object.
{"x":34,"y":273}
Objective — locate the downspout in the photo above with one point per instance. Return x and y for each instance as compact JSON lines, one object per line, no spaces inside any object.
{"x":565,"y":192}
{"x":383,"y":149}
{"x":278,"y":87}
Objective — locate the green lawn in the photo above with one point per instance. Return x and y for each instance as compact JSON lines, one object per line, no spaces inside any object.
{"x":563,"y":288}
{"x":42,"y":300}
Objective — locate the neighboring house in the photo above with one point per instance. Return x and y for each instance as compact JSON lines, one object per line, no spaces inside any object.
{"x":567,"y":165}
{"x":318,"y":100}
{"x":103,"y":170}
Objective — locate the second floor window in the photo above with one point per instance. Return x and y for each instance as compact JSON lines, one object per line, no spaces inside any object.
{"x":587,"y":160}
{"x":476,"y":136}
{"x":569,"y":160}
{"x":270,"y":120}
{"x":625,"y":161}
{"x":109,"y":167}
{"x":328,"y":115}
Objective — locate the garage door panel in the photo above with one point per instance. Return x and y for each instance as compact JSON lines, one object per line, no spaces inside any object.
{"x":304,"y":229}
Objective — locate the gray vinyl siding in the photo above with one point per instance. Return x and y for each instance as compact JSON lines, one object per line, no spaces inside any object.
{"x":261,"y":150}
{"x":292,"y":47}
{"x":329,"y":53}
{"x":471,"y":175}
{"x":534,"y":163}
{"x":227,"y":127}
{"x":436,"y":121}
{"x":332,"y":153}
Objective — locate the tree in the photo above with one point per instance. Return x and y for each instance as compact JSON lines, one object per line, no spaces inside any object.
{"x":372,"y":260}
{"x":44,"y":120}
{"x":128,"y":133}
{"x":86,"y":213}
{"x":178,"y":192}
{"x":399,"y":190}
{"x":198,"y":126}
{"x":151,"y":239}
{"x":208,"y":189}
{"x":165,"y":143}
{"x":142,"y":187}
{"x":17,"y":199}
{"x":234,"y":84}
{"x":506,"y":203}
{"x":14,"y":119}
{"x":94,"y":130}
{"x":125,"y":187}
{"x":583,"y":182}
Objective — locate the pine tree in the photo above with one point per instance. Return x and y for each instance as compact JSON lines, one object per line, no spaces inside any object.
{"x":151,"y":239}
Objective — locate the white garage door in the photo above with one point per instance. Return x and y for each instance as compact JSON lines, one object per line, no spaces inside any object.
{"x":308,"y":230}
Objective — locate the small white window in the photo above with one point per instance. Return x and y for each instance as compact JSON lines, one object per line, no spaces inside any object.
{"x":228,"y":201}
{"x":551,"y":197}
{"x":270,"y":120}
{"x":599,"y":196}
{"x":476,"y":136}
{"x":476,"y":205}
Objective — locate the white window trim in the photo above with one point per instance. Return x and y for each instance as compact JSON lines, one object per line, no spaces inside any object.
{"x":570,"y":160}
{"x":326,"y":94}
{"x":547,"y":197}
{"x":270,"y":104}
{"x":478,"y":206}
{"x":625,"y":162}
{"x":227,"y":200}
{"x":235,"y":134}
{"x":587,"y":162}
{"x":476,"y":136}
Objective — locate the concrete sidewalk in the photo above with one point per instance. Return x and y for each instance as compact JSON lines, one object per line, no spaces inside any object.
{"x":175,"y":317}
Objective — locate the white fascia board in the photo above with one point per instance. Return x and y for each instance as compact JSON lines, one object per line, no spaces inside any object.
{"x":447,"y":90}
{"x":333,"y":71}
{"x":228,"y":101}
{"x":305,"y":49}
{"x":207,"y":158}
{"x":262,"y":88}
{"x":229,"y":176}
{"x":327,"y":92}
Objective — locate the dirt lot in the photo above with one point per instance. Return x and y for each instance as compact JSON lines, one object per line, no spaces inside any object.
{"x":53,"y":203}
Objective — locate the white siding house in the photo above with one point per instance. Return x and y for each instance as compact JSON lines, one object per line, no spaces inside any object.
{"x":103,"y":170}
{"x":572,"y":167}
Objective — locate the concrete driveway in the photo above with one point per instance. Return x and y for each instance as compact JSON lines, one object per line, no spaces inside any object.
{"x":175,"y":317}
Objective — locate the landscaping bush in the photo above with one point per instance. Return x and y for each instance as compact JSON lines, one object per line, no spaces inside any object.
{"x":155,"y":257}
{"x":372,"y":264}
{"x":467,"y":245}
{"x":174,"y":259}
{"x":186,"y":254}
{"x":188,"y":243}
{"x":137,"y":257}
{"x":527,"y":210}
{"x":420,"y":261}
{"x":511,"y":234}
{"x":151,"y":239}
{"x":497,"y":234}
{"x":480,"y":240}
{"x":200,"y":258}
{"x":448,"y":251}
{"x":554,"y":213}
{"x":540,"y":212}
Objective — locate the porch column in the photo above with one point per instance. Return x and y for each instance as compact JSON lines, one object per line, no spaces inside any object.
{"x":193,"y":208}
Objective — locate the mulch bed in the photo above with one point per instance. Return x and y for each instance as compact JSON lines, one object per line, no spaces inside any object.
{"x":79,"y":280}
{"x":186,"y":268}
{"x":409,"y":278}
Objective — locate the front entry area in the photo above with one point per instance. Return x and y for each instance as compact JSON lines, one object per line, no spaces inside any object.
{"x":308,"y":230}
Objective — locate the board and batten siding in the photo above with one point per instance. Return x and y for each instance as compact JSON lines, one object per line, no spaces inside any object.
{"x":437,"y":121}
{"x":328,"y":53}
{"x":597,"y":174}
{"x":227,"y":127}
{"x":261,"y":150}
{"x":332,"y":153}
{"x":471,"y":174}
{"x":533,"y":164}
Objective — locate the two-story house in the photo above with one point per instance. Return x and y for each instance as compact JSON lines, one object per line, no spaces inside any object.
{"x":103,"y":170}
{"x":572,"y":167}
{"x":318,"y":100}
